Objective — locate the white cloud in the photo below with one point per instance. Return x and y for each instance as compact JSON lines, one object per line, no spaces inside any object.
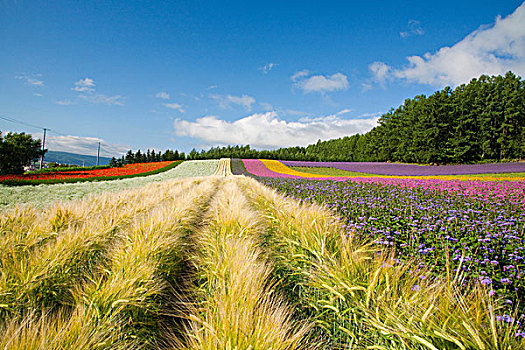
{"x":174,"y":106}
{"x":31,"y":79}
{"x":266,"y":106}
{"x":295,"y":112}
{"x":268,"y":130}
{"x":163,"y":95}
{"x":65,"y":102}
{"x":490,"y":50}
{"x":38,"y":95}
{"x":320,"y":83}
{"x":414,"y":28}
{"x":268,"y":67}
{"x":226,"y":101}
{"x":366,"y":86}
{"x":116,"y":100}
{"x":243,"y":100}
{"x":86,"y":88}
{"x":300,"y":74}
{"x":344,"y":111}
{"x":84,"y":85}
{"x":380,"y":70}
{"x":82,"y":145}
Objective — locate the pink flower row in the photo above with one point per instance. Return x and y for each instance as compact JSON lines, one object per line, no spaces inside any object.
{"x":499,"y":191}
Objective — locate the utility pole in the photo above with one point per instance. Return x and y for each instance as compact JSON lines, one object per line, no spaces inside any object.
{"x":43,"y":147}
{"x":98,"y":153}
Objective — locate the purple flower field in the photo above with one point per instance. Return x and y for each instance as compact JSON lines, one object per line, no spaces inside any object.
{"x":512,"y":192}
{"x":415,"y":170}
{"x":484,"y":238}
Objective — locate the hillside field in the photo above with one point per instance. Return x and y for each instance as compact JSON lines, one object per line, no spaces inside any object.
{"x":199,"y":258}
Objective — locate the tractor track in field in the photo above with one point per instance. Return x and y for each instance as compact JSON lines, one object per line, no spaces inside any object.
{"x":224,"y":168}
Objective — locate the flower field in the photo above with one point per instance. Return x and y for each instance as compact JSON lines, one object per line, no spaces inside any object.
{"x":379,"y":168}
{"x":128,"y":170}
{"x":45,"y":194}
{"x":224,"y":262}
{"x":472,"y":227}
{"x":489,"y":188}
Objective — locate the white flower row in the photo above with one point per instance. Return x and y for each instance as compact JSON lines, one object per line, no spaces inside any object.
{"x":44,"y":195}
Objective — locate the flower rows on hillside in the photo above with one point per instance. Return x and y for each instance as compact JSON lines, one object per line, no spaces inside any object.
{"x":479,"y":237}
{"x":474,"y":187}
{"x":380,"y":168}
{"x":107,"y":173}
{"x":42,"y":196}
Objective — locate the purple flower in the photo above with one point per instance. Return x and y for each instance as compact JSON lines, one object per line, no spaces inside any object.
{"x":485,"y":281}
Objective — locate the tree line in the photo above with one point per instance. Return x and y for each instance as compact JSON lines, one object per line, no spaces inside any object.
{"x":147,"y":157}
{"x":483,"y":120}
{"x":476,"y":122}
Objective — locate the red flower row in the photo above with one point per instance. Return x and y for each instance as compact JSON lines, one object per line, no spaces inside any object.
{"x":128,"y":169}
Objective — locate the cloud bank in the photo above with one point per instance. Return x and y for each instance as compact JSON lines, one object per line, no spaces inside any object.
{"x":82,"y":145}
{"x":31,"y":79}
{"x":267,"y":130}
{"x":175,"y":106}
{"x":163,"y":95}
{"x":229,"y":100}
{"x":319,"y":83}
{"x":86,"y":89}
{"x":414,"y":28}
{"x":492,"y":50}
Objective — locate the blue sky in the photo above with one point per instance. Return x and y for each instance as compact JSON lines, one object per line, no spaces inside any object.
{"x":178,"y":75}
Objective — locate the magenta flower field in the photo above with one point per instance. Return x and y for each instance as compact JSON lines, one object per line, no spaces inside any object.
{"x":415,"y":170}
{"x":477,"y":226}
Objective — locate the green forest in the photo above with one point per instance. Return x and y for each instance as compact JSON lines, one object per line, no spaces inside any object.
{"x":483,"y":121}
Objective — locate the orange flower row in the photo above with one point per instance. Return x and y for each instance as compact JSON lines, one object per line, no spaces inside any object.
{"x":126,"y":170}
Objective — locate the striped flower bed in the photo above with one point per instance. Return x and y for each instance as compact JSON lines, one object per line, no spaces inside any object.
{"x":478,"y":187}
{"x":414,"y":170}
{"x":129,"y":170}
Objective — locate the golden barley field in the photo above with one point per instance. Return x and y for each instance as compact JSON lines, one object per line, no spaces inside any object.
{"x":220,"y":262}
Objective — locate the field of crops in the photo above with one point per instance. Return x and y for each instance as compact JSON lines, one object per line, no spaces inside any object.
{"x":44,"y":195}
{"x":225,"y":262}
{"x":80,"y":175}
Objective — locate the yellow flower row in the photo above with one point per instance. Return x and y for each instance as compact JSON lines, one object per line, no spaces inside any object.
{"x":278,"y":167}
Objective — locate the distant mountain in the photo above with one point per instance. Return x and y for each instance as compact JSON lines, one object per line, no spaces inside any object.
{"x":73,"y":158}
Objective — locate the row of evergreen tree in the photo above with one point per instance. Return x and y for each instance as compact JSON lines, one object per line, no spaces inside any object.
{"x":147,"y":157}
{"x":480,"y":121}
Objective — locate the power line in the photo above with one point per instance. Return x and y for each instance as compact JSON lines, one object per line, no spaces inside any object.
{"x":12,"y":120}
{"x":16,"y":121}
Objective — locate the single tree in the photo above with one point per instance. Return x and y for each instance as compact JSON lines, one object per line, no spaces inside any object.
{"x":18,"y":150}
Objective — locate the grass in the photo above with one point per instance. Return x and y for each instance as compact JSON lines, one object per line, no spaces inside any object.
{"x":237,"y":308}
{"x":222,"y":263}
{"x":121,"y":296}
